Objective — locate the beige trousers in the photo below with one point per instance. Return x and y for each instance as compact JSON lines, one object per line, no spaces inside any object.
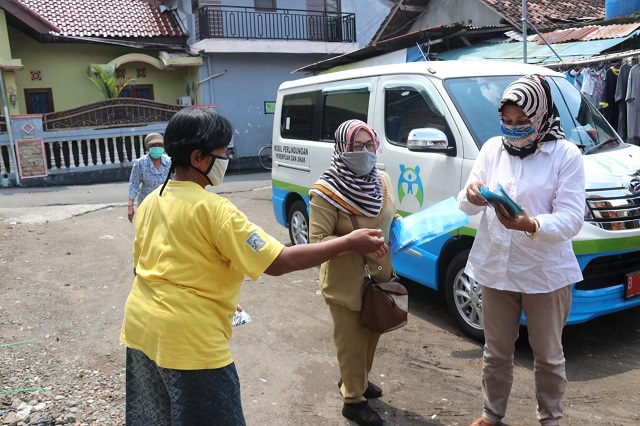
{"x":355,"y":348}
{"x":546,"y":316}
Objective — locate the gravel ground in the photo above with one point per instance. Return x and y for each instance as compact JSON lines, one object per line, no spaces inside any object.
{"x":63,"y":286}
{"x":81,"y":397}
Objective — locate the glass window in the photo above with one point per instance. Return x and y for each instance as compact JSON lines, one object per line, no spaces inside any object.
{"x":140,"y":91}
{"x":477,"y":100}
{"x":406,"y":109}
{"x":581,"y":122}
{"x":265,"y":4}
{"x":296,"y":121}
{"x":340,"y":107}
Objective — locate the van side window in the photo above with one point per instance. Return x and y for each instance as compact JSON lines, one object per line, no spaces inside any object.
{"x":406,"y":109}
{"x":340,"y":107}
{"x":296,"y":121}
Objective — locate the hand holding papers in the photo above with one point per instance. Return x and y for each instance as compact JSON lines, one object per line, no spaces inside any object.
{"x":513,"y":208}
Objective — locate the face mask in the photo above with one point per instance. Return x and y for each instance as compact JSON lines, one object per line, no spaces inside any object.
{"x":217,"y":171}
{"x":156,"y":152}
{"x":518,"y":136}
{"x":360,"y":162}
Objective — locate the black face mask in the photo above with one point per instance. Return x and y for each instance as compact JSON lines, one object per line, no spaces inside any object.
{"x":521,"y":152}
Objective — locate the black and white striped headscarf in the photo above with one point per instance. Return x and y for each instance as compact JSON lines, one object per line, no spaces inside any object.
{"x":358,"y":195}
{"x":533,"y":94}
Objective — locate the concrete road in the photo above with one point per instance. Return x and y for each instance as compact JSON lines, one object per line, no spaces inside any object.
{"x":38,"y":205}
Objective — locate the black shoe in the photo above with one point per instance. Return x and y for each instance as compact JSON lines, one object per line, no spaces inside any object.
{"x":362,"y":414}
{"x":372,"y":391}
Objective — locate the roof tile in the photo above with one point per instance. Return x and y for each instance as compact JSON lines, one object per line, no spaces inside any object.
{"x":97,"y":18}
{"x":548,"y":13}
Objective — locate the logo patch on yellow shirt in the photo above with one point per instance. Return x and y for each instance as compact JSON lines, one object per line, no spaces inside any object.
{"x":256,"y":242}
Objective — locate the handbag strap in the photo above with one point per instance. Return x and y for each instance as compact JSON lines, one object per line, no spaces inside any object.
{"x":354,"y":222}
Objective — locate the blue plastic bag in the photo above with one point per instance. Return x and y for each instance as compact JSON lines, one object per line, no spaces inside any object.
{"x":427,"y":224}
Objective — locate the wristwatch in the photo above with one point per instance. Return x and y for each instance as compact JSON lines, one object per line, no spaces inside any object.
{"x":535,"y":233}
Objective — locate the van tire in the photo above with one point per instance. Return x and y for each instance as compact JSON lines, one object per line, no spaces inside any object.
{"x":464,"y":297}
{"x":298,"y":220}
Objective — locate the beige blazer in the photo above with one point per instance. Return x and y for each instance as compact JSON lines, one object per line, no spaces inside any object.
{"x":342,"y":278}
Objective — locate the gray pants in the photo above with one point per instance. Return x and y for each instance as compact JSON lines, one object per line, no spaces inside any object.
{"x":546,"y":316}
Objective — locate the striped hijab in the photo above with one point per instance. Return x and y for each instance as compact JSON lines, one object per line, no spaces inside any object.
{"x":358,"y":195}
{"x":533,"y":94}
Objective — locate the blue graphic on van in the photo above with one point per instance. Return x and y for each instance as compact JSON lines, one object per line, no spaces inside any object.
{"x":410,"y":183}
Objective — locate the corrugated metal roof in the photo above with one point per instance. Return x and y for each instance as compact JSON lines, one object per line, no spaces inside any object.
{"x":590,"y":32}
{"x":536,"y":53}
{"x":113,"y":18}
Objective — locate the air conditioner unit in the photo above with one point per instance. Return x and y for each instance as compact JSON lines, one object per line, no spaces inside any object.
{"x":184,"y":101}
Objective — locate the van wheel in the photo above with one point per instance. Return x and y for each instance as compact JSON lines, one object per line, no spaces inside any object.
{"x":298,"y":223}
{"x":464,"y":298}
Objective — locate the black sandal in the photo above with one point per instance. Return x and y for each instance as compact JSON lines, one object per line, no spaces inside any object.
{"x":372,"y":391}
{"x":362,"y":414}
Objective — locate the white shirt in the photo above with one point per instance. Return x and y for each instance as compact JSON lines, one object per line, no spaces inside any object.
{"x":550,"y":186}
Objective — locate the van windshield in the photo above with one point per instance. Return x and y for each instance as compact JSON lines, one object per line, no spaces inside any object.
{"x":477,"y":99}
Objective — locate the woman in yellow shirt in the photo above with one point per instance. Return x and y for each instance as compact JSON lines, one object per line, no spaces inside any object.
{"x":191,"y":252}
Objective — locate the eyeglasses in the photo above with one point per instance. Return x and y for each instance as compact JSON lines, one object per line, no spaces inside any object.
{"x":370,"y":146}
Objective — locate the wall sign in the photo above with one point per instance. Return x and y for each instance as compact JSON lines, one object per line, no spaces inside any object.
{"x":31,"y":158}
{"x":269,"y":107}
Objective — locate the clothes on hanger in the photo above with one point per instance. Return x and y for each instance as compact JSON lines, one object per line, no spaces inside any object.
{"x":609,"y":105}
{"x":633,"y":103}
{"x":620,"y":98}
{"x":593,"y":85}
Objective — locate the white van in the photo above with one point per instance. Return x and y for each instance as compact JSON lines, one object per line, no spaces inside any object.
{"x":457,"y":103}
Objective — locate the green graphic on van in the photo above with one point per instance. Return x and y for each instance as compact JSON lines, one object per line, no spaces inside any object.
{"x":611,"y":164}
{"x":410,"y":183}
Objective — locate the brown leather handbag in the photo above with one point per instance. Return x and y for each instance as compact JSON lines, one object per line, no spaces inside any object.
{"x":385,"y":305}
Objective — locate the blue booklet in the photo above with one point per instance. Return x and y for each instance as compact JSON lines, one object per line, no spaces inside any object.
{"x":513,"y":208}
{"x":427,"y":224}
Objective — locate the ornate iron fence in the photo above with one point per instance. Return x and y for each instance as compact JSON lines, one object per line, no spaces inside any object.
{"x":278,"y":24}
{"x":102,"y":136}
{"x":120,"y":112}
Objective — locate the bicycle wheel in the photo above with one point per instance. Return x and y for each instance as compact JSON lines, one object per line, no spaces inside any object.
{"x":264,"y":156}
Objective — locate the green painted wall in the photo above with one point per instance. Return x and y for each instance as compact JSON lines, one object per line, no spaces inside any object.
{"x":64,"y":68}
{"x":5,"y":48}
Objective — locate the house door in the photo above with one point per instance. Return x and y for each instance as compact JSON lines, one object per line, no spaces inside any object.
{"x":328,"y":26}
{"x":39,"y":101}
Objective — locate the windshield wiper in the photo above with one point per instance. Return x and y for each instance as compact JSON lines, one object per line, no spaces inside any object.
{"x":599,"y":145}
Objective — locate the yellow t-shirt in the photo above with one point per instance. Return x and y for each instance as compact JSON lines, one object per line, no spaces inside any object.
{"x":191,"y":252}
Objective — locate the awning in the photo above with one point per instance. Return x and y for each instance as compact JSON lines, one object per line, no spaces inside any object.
{"x":180,"y":59}
{"x":11,"y":64}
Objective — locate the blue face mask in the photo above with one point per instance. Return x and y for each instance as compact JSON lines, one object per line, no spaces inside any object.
{"x":518,"y":136}
{"x":156,"y":152}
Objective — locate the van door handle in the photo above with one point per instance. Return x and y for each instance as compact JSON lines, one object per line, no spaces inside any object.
{"x":381,"y":166}
{"x":414,"y":253}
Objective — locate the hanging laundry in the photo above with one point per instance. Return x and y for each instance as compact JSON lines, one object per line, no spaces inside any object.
{"x":633,"y":103}
{"x":609,"y":105}
{"x":620,"y":97}
{"x":593,"y":83}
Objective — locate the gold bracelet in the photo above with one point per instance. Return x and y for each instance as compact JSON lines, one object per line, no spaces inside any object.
{"x":535,"y":233}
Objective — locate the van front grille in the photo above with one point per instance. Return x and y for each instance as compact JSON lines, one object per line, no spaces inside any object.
{"x":617,"y":207}
{"x":608,"y":271}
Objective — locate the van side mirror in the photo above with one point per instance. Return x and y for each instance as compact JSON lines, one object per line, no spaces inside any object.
{"x":427,"y":139}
